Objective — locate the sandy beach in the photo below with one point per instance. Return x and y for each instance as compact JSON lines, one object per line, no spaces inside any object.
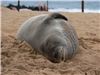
{"x":19,"y":59}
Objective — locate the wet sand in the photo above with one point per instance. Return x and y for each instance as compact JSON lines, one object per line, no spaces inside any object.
{"x":20,"y":59}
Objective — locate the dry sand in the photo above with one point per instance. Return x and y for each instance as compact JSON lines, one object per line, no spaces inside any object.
{"x":19,"y":59}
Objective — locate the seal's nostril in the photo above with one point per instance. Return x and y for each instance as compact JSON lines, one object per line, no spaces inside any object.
{"x":62,"y":53}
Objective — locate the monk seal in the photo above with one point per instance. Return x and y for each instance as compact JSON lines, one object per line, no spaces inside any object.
{"x":52,"y":35}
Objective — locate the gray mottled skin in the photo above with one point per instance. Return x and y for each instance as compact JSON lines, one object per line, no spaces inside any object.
{"x":51,"y":35}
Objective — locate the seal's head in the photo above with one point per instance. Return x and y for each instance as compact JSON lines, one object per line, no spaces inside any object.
{"x":55,"y":50}
{"x":57,"y":54}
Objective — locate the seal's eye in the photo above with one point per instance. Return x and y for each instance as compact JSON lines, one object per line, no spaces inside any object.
{"x":55,"y":54}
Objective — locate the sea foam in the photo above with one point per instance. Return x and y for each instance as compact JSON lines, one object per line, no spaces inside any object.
{"x":73,"y":10}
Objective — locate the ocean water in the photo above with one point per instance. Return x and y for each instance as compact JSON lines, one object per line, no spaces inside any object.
{"x":62,"y":6}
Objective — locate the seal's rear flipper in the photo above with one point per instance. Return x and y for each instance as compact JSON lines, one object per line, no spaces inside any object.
{"x":58,"y":16}
{"x":53,"y":16}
